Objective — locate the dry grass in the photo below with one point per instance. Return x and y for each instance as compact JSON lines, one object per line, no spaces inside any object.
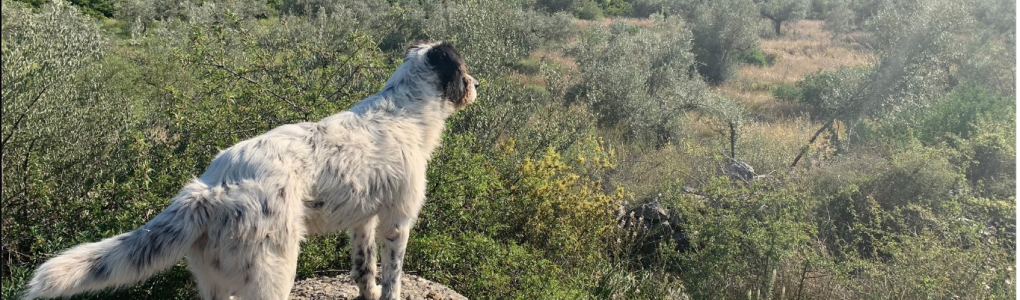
{"x":777,"y":130}
{"x":805,"y":48}
{"x":567,"y":71}
{"x":771,"y":147}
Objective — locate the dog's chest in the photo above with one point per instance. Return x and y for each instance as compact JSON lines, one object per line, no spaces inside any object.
{"x":355,"y":187}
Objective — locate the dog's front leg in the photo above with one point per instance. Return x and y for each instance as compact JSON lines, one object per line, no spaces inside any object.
{"x":395,"y":229}
{"x":363,"y":254}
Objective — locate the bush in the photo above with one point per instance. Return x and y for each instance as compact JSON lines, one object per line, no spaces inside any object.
{"x":645,"y":8}
{"x":756,"y":58}
{"x":528,"y":66}
{"x":618,"y":8}
{"x":639,"y":83}
{"x":785,"y":92}
{"x":55,"y":94}
{"x":556,"y":5}
{"x":992,"y":153}
{"x":740,"y":237}
{"x":491,"y":35}
{"x":958,"y":113}
{"x":474,"y":264}
{"x":721,"y":33}
{"x":589,"y":10}
{"x":836,"y":94}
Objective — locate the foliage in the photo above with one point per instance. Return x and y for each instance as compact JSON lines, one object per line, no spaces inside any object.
{"x":786,"y":92}
{"x":556,"y":5}
{"x":888,"y":212}
{"x":722,"y":31}
{"x":475,"y":264}
{"x":55,"y":93}
{"x":588,"y":10}
{"x":491,"y":34}
{"x":958,"y":114}
{"x":756,"y":57}
{"x":740,"y":237}
{"x":93,"y":8}
{"x":836,"y":94}
{"x":650,"y":72}
{"x":779,"y":11}
{"x":576,"y":123}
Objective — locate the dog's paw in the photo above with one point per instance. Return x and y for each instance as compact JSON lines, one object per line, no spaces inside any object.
{"x":373,"y":293}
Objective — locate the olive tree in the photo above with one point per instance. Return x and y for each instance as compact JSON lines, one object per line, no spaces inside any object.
{"x":640,"y":80}
{"x":779,"y":11}
{"x":721,"y":31}
{"x":58,"y":120}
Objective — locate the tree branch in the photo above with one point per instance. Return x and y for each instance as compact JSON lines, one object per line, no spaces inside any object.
{"x":249,"y":80}
{"x":812,"y":141}
{"x":23,"y":114}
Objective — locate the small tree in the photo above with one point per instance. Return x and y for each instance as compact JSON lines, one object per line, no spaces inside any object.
{"x":779,"y":11}
{"x":722,"y":31}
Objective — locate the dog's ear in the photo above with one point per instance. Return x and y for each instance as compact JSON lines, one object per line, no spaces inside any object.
{"x":450,"y":68}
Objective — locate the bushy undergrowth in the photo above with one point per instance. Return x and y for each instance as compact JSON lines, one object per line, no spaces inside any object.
{"x":576,"y":124}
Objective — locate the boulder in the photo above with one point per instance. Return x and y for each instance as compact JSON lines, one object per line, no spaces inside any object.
{"x":343,"y":288}
{"x":741,"y":171}
{"x":650,"y":212}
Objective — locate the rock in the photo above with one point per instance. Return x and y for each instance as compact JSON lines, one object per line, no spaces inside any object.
{"x":650,"y":212}
{"x":651,"y":223}
{"x":742,"y":171}
{"x":343,"y":288}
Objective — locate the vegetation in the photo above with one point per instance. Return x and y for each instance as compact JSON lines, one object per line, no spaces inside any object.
{"x":884,"y":144}
{"x":780,"y":11}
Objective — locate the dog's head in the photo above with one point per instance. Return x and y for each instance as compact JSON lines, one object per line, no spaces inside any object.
{"x":446,"y":70}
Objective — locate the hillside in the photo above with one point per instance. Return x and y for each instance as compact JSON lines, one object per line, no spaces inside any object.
{"x":617,"y":150}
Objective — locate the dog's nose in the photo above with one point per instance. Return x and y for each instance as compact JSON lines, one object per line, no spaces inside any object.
{"x":477,"y":84}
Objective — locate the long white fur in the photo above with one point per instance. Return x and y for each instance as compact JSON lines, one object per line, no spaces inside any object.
{"x":241,"y":223}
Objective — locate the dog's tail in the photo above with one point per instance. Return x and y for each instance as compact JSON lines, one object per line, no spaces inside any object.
{"x":126,"y":258}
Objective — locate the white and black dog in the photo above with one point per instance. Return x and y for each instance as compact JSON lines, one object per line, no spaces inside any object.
{"x":241,"y":223}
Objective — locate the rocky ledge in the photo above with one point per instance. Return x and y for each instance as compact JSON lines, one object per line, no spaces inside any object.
{"x":343,"y":288}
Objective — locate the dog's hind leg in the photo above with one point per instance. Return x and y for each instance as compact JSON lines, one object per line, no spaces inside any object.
{"x":210,"y":286}
{"x":269,"y":275}
{"x":363,"y":254}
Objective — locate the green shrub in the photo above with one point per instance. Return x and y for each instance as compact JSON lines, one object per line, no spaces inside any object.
{"x":645,"y":8}
{"x":741,"y":236}
{"x":639,"y":83}
{"x":755,"y":57}
{"x":722,"y":31}
{"x":491,"y":35}
{"x":589,"y":10}
{"x":476,"y":265}
{"x":556,"y":5}
{"x":958,"y":113}
{"x":62,"y":127}
{"x":992,"y":157}
{"x":786,"y":92}
{"x":618,"y":8}
{"x":835,"y":94}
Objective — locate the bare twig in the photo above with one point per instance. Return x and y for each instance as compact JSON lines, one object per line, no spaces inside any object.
{"x":17,"y":123}
{"x":804,"y":150}
{"x":249,"y":80}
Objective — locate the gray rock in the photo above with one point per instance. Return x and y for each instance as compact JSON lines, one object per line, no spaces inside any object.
{"x":343,"y":288}
{"x":650,"y":212}
{"x":742,"y":171}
